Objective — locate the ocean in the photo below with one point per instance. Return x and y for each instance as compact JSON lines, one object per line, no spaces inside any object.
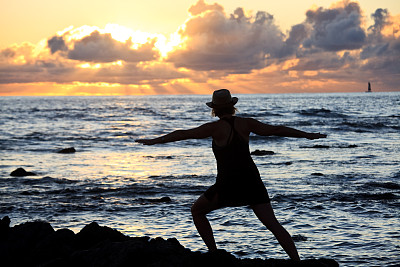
{"x":338,"y":197}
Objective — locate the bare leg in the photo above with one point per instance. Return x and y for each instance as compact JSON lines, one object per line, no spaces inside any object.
{"x":265,"y":214}
{"x":200,"y":208}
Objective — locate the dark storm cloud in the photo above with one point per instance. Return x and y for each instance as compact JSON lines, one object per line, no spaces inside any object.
{"x":99,"y":47}
{"x":56,"y":43}
{"x":336,"y":29}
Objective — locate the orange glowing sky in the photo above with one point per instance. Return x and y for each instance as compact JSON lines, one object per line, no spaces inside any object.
{"x":193,"y":47}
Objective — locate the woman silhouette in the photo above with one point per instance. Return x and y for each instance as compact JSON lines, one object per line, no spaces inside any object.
{"x":238,"y":181}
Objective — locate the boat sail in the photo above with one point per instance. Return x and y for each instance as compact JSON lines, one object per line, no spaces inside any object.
{"x":369,"y":88}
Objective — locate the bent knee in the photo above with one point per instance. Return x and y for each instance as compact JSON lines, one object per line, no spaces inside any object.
{"x":196,"y":211}
{"x":203,"y":206}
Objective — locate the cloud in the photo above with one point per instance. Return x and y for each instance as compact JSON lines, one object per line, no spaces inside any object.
{"x":56,"y":43}
{"x":202,"y":6}
{"x":323,"y":61}
{"x":382,"y":52}
{"x":7,"y":53}
{"x":99,"y":47}
{"x":93,"y":58}
{"x":330,"y":50}
{"x":380,"y":17}
{"x":337,"y":28}
{"x":230,"y":44}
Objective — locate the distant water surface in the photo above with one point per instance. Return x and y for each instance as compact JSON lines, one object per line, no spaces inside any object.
{"x":338,"y":197}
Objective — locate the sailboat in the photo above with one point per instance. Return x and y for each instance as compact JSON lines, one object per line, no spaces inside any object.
{"x":369,"y":88}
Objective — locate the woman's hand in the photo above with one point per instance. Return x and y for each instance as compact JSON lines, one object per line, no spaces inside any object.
{"x":147,"y":142}
{"x":313,"y":136}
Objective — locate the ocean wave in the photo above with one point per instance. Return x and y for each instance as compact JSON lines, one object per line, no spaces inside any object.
{"x":47,"y":180}
{"x":385,"y":185}
{"x":320,"y":112}
{"x":340,"y":197}
{"x":260,"y":114}
{"x":331,"y":146}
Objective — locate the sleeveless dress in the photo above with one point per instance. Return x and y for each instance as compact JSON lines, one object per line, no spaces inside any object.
{"x":238,"y":181}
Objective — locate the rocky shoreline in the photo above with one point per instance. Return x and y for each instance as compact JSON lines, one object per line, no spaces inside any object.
{"x":36,"y":243}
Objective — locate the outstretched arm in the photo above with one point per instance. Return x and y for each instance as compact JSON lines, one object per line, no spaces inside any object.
{"x":263,"y":129}
{"x":203,"y":131}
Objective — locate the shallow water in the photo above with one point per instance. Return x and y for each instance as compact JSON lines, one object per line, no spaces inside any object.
{"x":338,"y":197}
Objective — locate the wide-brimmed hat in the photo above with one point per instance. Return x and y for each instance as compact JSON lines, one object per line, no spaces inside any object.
{"x":221,"y":99}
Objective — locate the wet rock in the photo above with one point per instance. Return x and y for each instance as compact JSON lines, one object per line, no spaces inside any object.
{"x":155,"y":200}
{"x":20,"y":172}
{"x":262,"y":152}
{"x":162,"y":199}
{"x":320,"y":146}
{"x":37,"y":244}
{"x":68,"y":150}
{"x":298,"y":238}
{"x":317,"y":174}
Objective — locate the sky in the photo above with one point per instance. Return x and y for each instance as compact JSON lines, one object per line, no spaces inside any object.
{"x":125,"y":47}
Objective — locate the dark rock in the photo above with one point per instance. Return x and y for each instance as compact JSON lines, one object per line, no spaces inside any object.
{"x":56,"y":245}
{"x":216,"y":258}
{"x":4,"y":227}
{"x":155,"y":200}
{"x":262,"y":152}
{"x":20,"y":172}
{"x":163,"y":199}
{"x":37,"y":244}
{"x":317,"y":174}
{"x":32,"y":232}
{"x":320,"y":146}
{"x":93,"y":234}
{"x":67,"y":150}
{"x":298,"y":238}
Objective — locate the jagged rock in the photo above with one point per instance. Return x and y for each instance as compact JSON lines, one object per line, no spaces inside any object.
{"x":67,"y":150}
{"x":20,"y":172}
{"x":93,"y":233}
{"x":37,"y":244}
{"x":4,"y":227}
{"x":262,"y":152}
